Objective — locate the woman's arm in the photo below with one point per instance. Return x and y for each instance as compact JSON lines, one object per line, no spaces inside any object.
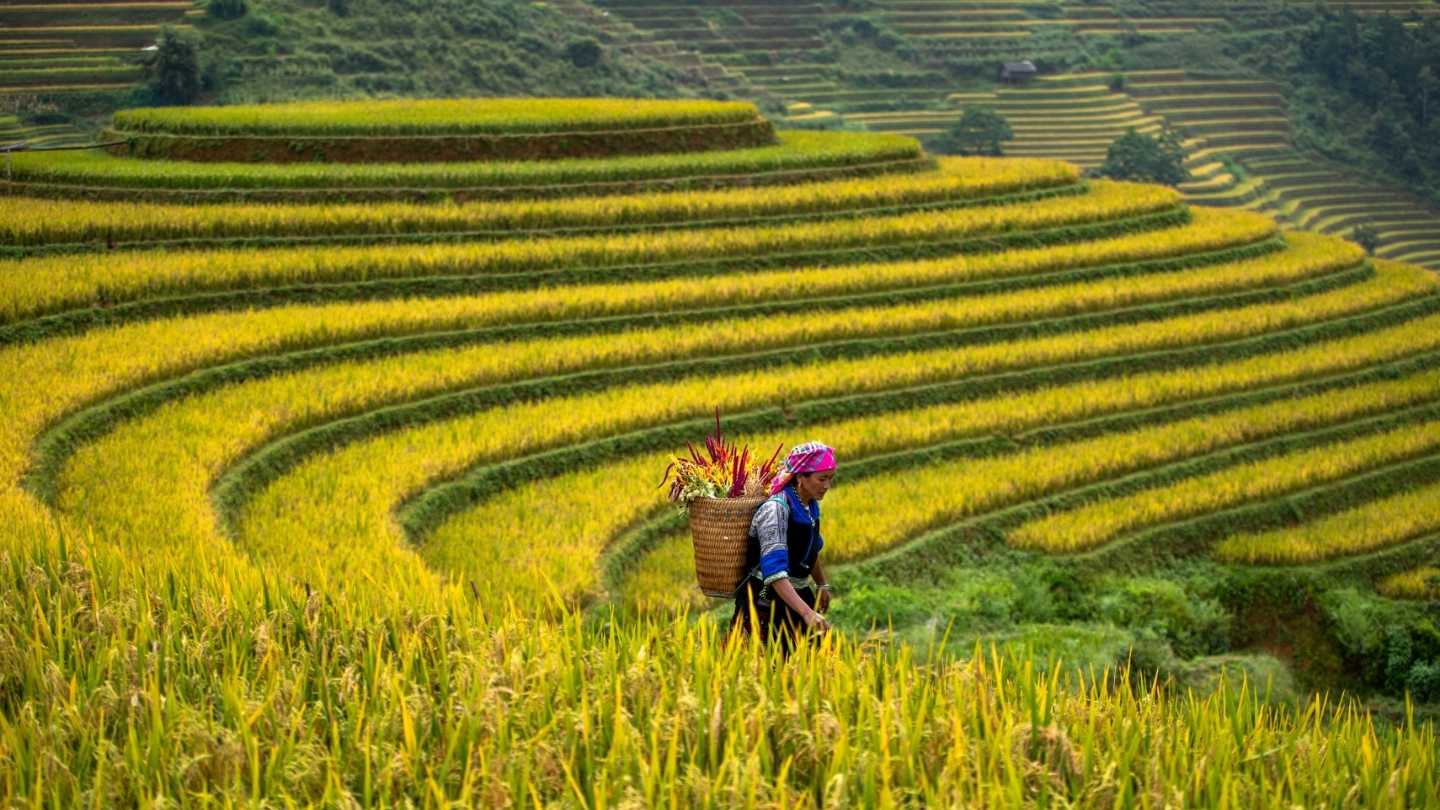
{"x":822,"y":584}
{"x":786,"y":592}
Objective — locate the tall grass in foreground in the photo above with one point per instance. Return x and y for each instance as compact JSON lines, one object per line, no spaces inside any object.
{"x":117,"y":691}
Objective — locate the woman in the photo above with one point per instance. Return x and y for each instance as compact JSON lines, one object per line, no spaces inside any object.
{"x":784,"y":553}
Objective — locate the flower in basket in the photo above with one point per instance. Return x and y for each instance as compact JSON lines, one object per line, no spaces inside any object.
{"x":720,"y":470}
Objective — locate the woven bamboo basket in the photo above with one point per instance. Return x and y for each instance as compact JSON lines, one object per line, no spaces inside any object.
{"x":720,"y":527}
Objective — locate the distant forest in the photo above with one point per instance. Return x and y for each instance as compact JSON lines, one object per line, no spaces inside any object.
{"x":1370,"y":94}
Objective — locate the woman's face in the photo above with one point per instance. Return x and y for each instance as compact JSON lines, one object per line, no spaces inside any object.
{"x":814,"y":485}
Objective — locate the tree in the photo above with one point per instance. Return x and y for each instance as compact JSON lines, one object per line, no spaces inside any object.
{"x":980,"y":131}
{"x":227,"y":9}
{"x":584,"y":53}
{"x":1429,"y":87}
{"x":1366,"y":237}
{"x":1135,"y":156}
{"x":173,"y":70}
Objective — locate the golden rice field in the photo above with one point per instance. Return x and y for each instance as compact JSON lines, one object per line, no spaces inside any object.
{"x":434,"y":116}
{"x":354,"y":503}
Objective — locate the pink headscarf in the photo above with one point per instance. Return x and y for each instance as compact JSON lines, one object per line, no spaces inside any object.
{"x":805,"y":458}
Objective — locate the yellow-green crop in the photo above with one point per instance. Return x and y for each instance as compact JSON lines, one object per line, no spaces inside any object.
{"x":1421,"y":583}
{"x":31,"y":222}
{"x":432,"y":116}
{"x":1103,"y":521}
{"x":231,"y":698}
{"x":344,"y":499}
{"x":36,"y":286}
{"x":199,"y":437}
{"x":1374,"y":525}
{"x":796,"y":153}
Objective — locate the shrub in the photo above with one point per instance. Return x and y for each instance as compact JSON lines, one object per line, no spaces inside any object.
{"x":864,"y":27}
{"x":1265,"y":673}
{"x":984,"y":598}
{"x":262,"y":25}
{"x":583,"y":53}
{"x":877,"y":604}
{"x":1136,"y":156}
{"x":1163,"y":609}
{"x":1366,"y":236}
{"x":1355,"y":623}
{"x":1423,"y":681}
{"x":227,"y":9}
{"x":1387,"y":645}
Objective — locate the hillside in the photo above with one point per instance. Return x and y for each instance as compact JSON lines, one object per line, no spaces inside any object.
{"x":375,"y":478}
{"x":1264,"y":129}
{"x":1225,"y":75}
{"x":66,"y":66}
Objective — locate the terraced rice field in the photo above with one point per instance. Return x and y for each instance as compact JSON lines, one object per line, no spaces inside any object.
{"x":755,"y":47}
{"x":1070,"y":117}
{"x":50,"y":49}
{"x":1320,"y":198}
{"x":360,"y":505}
{"x":759,"y":46}
{"x":763,"y":46}
{"x":13,"y":131}
{"x":1231,"y":123}
{"x":951,"y":312}
{"x":1006,"y":26}
{"x":1225,"y":123}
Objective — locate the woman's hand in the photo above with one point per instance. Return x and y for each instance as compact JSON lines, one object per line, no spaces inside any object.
{"x":816,"y":623}
{"x":822,"y":600}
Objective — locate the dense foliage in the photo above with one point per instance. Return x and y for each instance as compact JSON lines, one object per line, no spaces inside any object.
{"x":1382,"y":73}
{"x":1152,"y":158}
{"x":289,"y":49}
{"x":172,"y":70}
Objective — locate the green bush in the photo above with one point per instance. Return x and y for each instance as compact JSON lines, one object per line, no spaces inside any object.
{"x":584,"y":53}
{"x":875,"y":604}
{"x":1265,"y":673}
{"x":1423,"y":681}
{"x":970,"y":599}
{"x":262,"y":25}
{"x":979,"y":599}
{"x":1356,"y":623}
{"x":1366,"y":236}
{"x":1136,"y":156}
{"x":1163,"y":609}
{"x":227,"y":9}
{"x":1389,"y":646}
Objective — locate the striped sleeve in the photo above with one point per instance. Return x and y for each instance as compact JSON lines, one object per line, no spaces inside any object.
{"x":768,"y":526}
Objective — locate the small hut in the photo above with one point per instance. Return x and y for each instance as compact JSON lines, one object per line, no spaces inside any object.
{"x":1017,"y":72}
